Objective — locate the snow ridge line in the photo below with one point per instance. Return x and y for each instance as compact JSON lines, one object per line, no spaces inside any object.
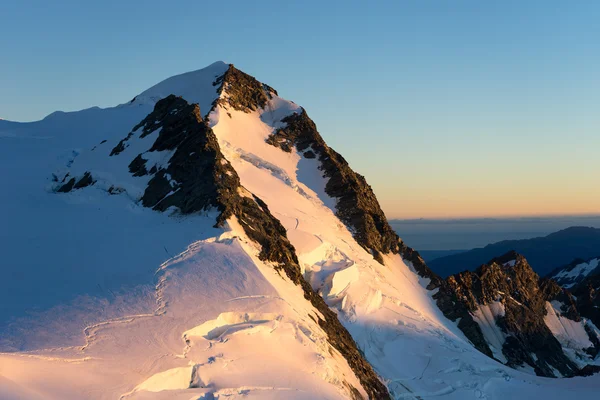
{"x":161,"y":304}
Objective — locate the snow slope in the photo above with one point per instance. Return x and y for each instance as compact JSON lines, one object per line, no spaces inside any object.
{"x":486,"y":316}
{"x":571,"y":334}
{"x":131,"y":303}
{"x":224,"y":324}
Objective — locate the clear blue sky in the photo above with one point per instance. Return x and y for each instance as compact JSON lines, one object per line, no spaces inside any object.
{"x":449,"y":108}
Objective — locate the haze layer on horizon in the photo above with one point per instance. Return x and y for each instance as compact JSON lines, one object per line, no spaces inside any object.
{"x":468,"y":233}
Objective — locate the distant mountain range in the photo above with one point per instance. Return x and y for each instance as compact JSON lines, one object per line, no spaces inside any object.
{"x":429,"y":255}
{"x":471,"y":233}
{"x":543,"y":253}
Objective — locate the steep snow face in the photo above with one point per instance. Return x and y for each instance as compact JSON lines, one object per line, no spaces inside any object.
{"x":486,"y":316}
{"x":576,"y":272}
{"x":572,"y":335}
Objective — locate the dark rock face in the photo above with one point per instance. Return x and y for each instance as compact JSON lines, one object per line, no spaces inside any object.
{"x":421,"y":268}
{"x":357,"y":206}
{"x":511,"y":281}
{"x":197,"y":177}
{"x":309,"y":154}
{"x":589,"y":370}
{"x":67,"y":187}
{"x":138,"y":166}
{"x":244,"y":92}
{"x":85,"y":180}
{"x":118,"y":149}
{"x":450,"y":301}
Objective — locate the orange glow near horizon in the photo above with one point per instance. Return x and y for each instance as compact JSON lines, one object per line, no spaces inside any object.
{"x":489,"y":202}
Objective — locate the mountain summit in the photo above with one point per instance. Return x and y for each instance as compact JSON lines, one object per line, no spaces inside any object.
{"x":203,"y":241}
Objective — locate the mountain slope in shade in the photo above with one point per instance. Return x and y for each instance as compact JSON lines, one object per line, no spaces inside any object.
{"x":135,"y":292}
{"x":543,"y":253}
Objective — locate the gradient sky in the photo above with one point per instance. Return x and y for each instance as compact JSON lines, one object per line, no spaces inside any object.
{"x":449,"y":108}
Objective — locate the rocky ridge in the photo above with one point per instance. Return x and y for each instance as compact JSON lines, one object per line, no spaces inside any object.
{"x":356,"y":205}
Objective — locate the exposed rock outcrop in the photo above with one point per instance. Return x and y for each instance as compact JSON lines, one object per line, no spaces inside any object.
{"x":510,"y":282}
{"x":73,"y":183}
{"x":138,"y":166}
{"x":356,"y":205}
{"x":242,"y":91}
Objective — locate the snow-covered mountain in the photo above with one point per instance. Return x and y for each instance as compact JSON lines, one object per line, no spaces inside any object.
{"x":574,"y":273}
{"x":582,"y":279}
{"x":203,"y":241}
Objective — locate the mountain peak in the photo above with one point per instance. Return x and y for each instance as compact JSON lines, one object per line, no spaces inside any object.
{"x":175,"y":162}
{"x":509,"y":313}
{"x":194,"y":86}
{"x":508,"y":259}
